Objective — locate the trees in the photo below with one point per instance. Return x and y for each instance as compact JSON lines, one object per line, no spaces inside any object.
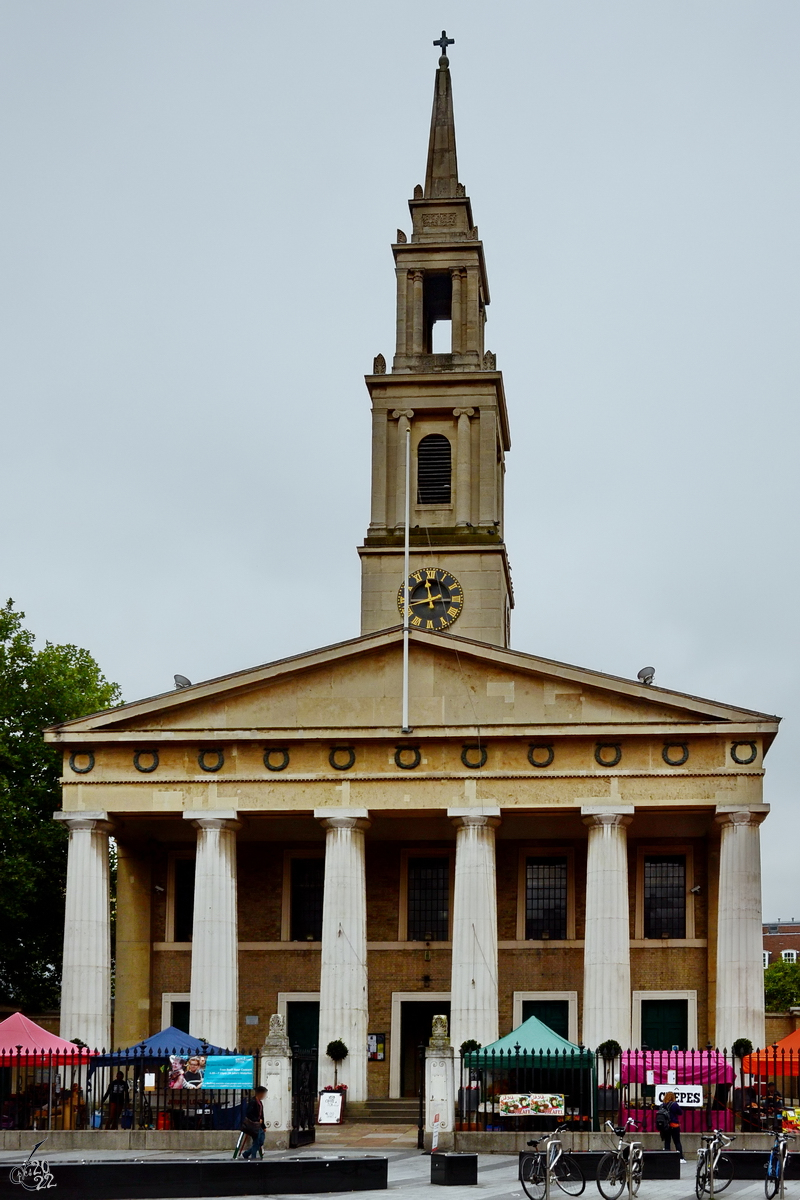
{"x":37,"y":688}
{"x":781,"y":986}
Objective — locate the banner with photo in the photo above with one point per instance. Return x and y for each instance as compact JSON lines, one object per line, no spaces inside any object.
{"x":232,"y":1071}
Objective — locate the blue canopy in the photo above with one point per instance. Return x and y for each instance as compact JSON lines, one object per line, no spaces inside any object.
{"x":159,"y":1046}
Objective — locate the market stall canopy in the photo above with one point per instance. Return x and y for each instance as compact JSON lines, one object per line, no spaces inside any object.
{"x":690,"y":1066}
{"x":531,"y":1044}
{"x":781,"y":1059}
{"x":159,"y":1046}
{"x":26,"y":1041}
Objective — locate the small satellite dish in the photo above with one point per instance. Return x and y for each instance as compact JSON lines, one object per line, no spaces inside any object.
{"x":646,"y":675}
{"x":181,"y":681}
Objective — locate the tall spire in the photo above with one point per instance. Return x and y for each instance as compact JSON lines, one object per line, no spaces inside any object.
{"x":441,"y":176}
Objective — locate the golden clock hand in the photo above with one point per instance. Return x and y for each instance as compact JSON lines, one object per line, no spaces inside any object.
{"x":426,"y":600}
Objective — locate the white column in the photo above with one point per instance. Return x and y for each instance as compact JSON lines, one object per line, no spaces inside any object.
{"x":740,"y":972}
{"x":86,"y":973}
{"x":214,"y":988}
{"x":607,"y":954}
{"x":463,"y":466}
{"x":473,"y":987}
{"x":343,"y":995}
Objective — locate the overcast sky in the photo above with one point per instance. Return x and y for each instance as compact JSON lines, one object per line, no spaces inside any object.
{"x":198,"y":200}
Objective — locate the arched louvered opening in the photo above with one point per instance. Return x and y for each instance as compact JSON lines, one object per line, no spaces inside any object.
{"x":433,"y":470}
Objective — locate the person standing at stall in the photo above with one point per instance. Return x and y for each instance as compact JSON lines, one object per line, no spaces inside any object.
{"x":668,"y":1123}
{"x":118,"y":1095}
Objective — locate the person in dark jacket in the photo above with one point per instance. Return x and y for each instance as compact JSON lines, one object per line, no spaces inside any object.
{"x":255,"y":1114}
{"x":673,"y":1131}
{"x":118,"y":1096}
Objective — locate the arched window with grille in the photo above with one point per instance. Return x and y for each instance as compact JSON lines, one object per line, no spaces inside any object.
{"x":433,"y":470}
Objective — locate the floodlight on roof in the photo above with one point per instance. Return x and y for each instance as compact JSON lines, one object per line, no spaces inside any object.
{"x":181,"y":681}
{"x":646,"y":675}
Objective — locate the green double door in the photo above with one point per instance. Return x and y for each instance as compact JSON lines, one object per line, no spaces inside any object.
{"x":552,"y":1013}
{"x":665,"y":1023}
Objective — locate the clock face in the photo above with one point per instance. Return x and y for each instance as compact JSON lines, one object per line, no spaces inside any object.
{"x":435,"y":598}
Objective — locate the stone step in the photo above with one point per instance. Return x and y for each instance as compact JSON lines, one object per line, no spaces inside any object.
{"x":384,"y":1112}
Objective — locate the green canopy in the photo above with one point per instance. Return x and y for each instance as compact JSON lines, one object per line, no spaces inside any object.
{"x":538,"y":1046}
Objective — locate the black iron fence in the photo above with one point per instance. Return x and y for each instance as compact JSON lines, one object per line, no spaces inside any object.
{"x":537,"y":1090}
{"x":165,"y":1088}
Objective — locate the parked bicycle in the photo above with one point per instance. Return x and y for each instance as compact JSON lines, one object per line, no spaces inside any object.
{"x":714,"y":1169}
{"x":538,"y":1171}
{"x":621,"y":1167}
{"x":776,"y":1164}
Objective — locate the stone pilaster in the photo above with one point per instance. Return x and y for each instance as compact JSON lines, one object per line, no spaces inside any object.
{"x":417,"y":314}
{"x":463,"y":466}
{"x":403,"y":417}
{"x":343,"y":995}
{"x":606,"y":955}
{"x":214,"y":998}
{"x":456,"y":312}
{"x":473,"y":989}
{"x":740,"y":971}
{"x":86,"y":972}
{"x":440,"y":1094}
{"x":276,"y":1077}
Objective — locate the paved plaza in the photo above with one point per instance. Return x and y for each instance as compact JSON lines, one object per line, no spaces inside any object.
{"x":410,"y":1171}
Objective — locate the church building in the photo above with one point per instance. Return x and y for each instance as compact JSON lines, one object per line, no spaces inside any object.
{"x":531,"y":837}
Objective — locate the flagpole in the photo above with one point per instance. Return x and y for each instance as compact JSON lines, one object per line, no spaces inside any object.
{"x":406,"y":570}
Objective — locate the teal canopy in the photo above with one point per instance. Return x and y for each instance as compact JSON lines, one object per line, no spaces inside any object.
{"x":531,"y":1044}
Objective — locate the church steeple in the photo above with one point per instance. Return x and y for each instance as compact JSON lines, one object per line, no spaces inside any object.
{"x":441,"y":176}
{"x":445,"y":387}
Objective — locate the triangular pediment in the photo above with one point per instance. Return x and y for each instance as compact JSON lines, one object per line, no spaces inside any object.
{"x":455,"y":685}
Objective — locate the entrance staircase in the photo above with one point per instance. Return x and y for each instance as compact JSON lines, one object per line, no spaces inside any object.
{"x":384,"y":1112}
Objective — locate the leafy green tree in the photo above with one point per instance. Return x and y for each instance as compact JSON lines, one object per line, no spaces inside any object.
{"x":782,"y":986}
{"x":37,"y":688}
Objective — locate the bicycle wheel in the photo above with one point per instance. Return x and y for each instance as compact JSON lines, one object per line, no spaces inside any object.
{"x":772,"y":1182}
{"x":637,"y":1169}
{"x":723,"y":1173}
{"x":610,"y":1178}
{"x":701,"y":1178}
{"x":569,"y":1176}
{"x":531,"y":1175}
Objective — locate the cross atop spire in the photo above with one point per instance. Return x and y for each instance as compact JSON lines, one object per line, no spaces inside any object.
{"x":443,"y":42}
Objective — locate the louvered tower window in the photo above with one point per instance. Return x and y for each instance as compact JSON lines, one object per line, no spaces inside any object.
{"x":433,"y":470}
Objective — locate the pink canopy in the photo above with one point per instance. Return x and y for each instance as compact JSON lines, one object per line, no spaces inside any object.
{"x":36,"y":1043}
{"x":690,"y":1066}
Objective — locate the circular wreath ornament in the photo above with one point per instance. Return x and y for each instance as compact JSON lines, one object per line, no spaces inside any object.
{"x":744,"y":762}
{"x":87,"y":754}
{"x":546,"y":754}
{"x":333,"y":758}
{"x":672,"y":759}
{"x":144,"y":766}
{"x":602,"y":748}
{"x":281,"y":764}
{"x":210,"y":760}
{"x":471,"y":748}
{"x":416,"y":757}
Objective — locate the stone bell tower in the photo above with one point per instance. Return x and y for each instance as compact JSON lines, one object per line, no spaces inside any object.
{"x":446,"y":388}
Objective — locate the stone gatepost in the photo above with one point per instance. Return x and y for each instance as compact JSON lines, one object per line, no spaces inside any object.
{"x":440,"y":1096}
{"x":276,"y":1077}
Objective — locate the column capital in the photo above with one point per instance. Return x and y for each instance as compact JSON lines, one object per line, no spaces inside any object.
{"x":85,"y":820}
{"x":735,"y":814}
{"x":213,"y":818}
{"x":601,"y":814}
{"x":342,"y":818}
{"x":402,"y":412}
{"x":463,"y":412}
{"x":484,"y":815}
